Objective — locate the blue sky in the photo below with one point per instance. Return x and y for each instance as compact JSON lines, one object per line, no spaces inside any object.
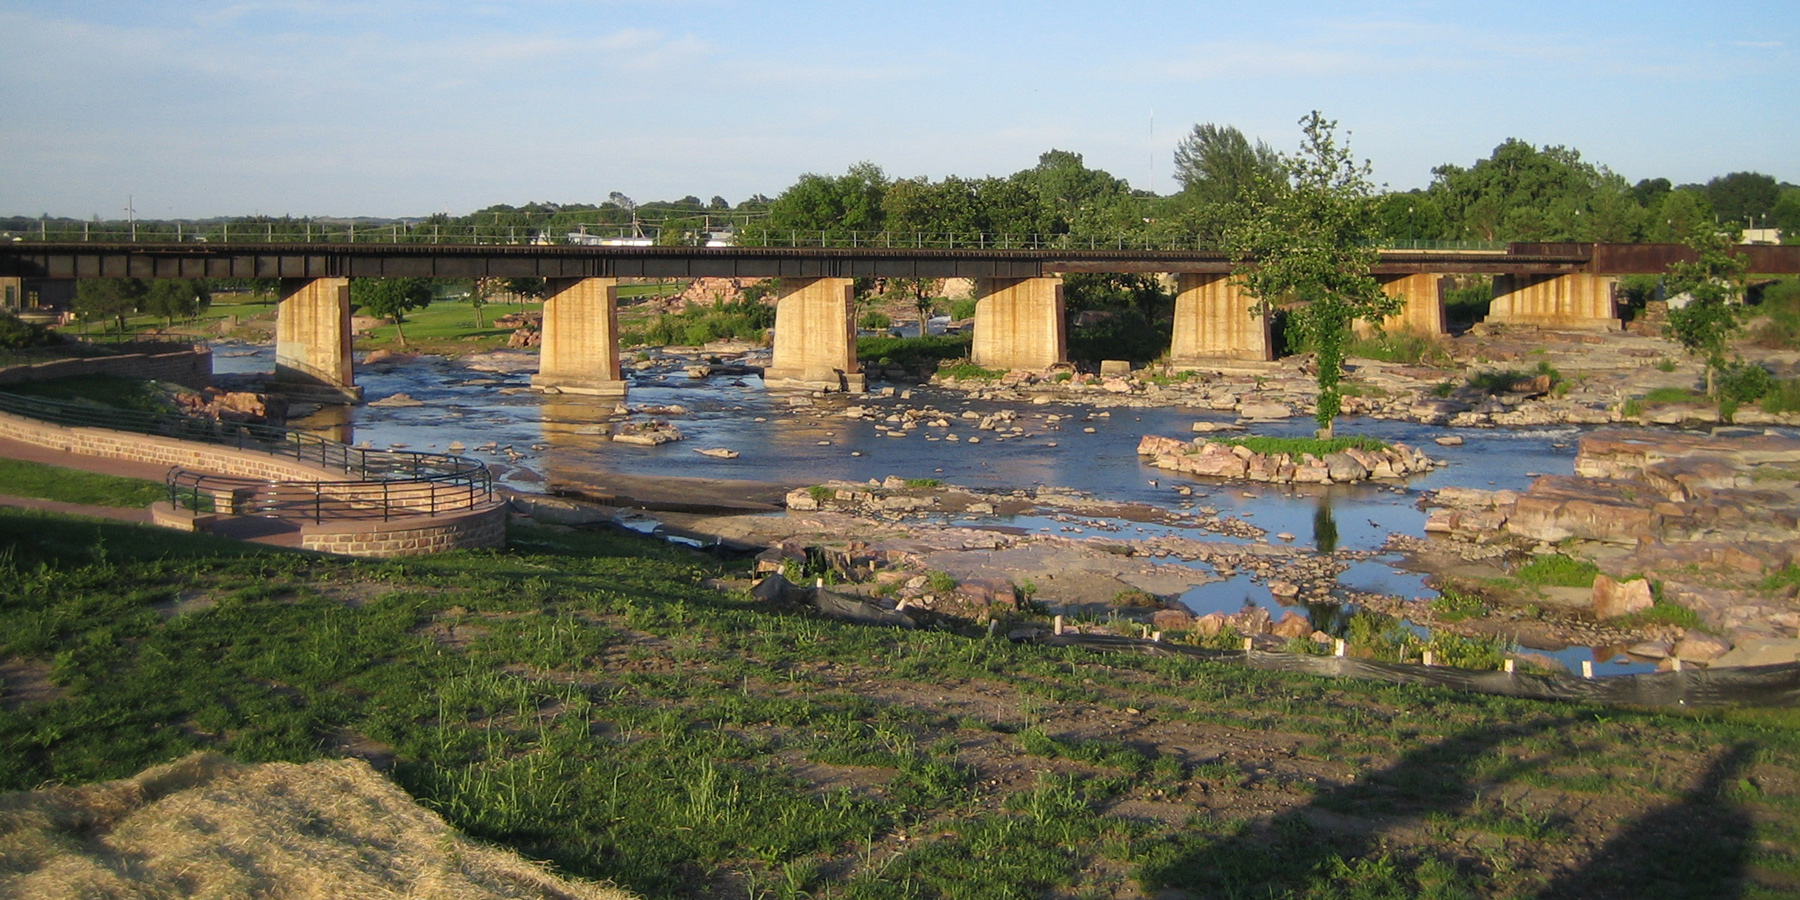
{"x":405,"y":107}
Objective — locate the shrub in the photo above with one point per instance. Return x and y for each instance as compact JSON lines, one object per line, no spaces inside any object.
{"x":1295,"y":446}
{"x":1453,"y":605}
{"x":1556,"y":570}
{"x":913,"y":352}
{"x":874,"y":320}
{"x":1745,"y":383}
{"x":1407,"y":347}
{"x":16,"y":334}
{"x":1469,"y":303}
{"x":963,"y":309}
{"x":968,"y":371}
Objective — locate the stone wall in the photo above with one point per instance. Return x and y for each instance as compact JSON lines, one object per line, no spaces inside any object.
{"x":189,"y":367}
{"x":107,"y":444}
{"x":484,"y":526}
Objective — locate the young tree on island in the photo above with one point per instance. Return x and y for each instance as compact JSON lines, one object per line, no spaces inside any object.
{"x":1309,"y":237}
{"x":391,"y":298}
{"x":1714,"y":283}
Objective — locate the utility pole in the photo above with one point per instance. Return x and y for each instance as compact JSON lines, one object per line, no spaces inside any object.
{"x":131,"y":215}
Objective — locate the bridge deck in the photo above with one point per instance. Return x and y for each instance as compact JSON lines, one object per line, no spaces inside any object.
{"x":372,"y":260}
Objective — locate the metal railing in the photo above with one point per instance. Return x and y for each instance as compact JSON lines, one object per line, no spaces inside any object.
{"x":377,"y":483}
{"x":605,"y":235}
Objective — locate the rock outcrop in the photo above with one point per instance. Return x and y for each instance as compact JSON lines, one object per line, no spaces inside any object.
{"x":1219,"y":459}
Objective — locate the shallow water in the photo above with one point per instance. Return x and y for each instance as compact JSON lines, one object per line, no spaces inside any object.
{"x":819,"y":444}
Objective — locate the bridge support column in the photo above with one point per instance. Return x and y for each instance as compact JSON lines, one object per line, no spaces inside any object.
{"x":1577,"y":301}
{"x":815,"y":337}
{"x":1423,"y":311}
{"x":312,"y":339}
{"x":1216,"y":321}
{"x":579,"y":349}
{"x":1019,"y":323}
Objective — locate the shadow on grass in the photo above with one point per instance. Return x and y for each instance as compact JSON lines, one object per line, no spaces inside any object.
{"x":32,"y":538}
{"x":1318,"y":850}
{"x":1694,"y":847}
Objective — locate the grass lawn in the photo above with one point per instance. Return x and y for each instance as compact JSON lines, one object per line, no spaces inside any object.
{"x":29,"y":479}
{"x":588,"y":699}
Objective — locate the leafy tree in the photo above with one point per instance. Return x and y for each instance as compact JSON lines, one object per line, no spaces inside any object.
{"x":480,"y":291}
{"x":1217,"y":164}
{"x":1074,"y":199}
{"x":1683,"y":213}
{"x":172,"y":297}
{"x":1521,"y":193}
{"x":108,"y":298}
{"x":1714,"y":283}
{"x":391,"y":298}
{"x":1743,"y":197}
{"x":831,"y":206}
{"x":1411,"y":216}
{"x":1785,"y":215}
{"x":1313,"y":240}
{"x":527,"y":288}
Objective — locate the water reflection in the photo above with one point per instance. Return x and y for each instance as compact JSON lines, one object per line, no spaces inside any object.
{"x":1325,"y":532}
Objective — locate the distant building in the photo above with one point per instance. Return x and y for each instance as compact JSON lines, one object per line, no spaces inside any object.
{"x":1762,"y":235}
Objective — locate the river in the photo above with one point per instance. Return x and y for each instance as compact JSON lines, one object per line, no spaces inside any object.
{"x":779,"y":443}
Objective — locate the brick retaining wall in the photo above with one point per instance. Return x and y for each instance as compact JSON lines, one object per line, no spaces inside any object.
{"x":484,"y":526}
{"x":107,"y":444}
{"x":189,"y":367}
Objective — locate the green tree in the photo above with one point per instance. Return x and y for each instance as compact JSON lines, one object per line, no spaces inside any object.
{"x":1313,"y":241}
{"x":176,"y":297}
{"x":480,"y":291}
{"x":830,"y":207}
{"x":108,"y":298}
{"x":1217,"y":164}
{"x":1522,"y":193}
{"x":1682,"y":213}
{"x":1714,"y":284}
{"x":1743,"y":198}
{"x":1785,"y":215}
{"x":391,"y":298}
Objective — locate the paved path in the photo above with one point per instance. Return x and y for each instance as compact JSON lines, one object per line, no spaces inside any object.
{"x":270,"y":532}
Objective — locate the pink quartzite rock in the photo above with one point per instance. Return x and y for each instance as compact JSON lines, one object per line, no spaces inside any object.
{"x":1620,"y":598}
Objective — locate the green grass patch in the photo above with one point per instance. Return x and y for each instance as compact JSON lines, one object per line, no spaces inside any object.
{"x":913,"y":352}
{"x":1556,"y":570}
{"x":1452,"y":605}
{"x":968,"y":371}
{"x":1407,"y":347}
{"x":1296,"y":446}
{"x":591,"y":699}
{"x":30,"y":479}
{"x":109,"y":391}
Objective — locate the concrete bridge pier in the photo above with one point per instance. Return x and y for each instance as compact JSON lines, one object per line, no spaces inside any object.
{"x":815,"y":337}
{"x":1577,"y":301}
{"x":1215,"y":322}
{"x":312,"y":339}
{"x":579,"y":349}
{"x":1019,"y":323}
{"x":1423,"y":309}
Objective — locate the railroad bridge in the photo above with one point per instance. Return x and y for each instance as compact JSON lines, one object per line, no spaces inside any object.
{"x":1019,"y":320}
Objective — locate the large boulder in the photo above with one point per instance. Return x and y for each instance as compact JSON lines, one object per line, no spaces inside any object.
{"x":1620,"y":598}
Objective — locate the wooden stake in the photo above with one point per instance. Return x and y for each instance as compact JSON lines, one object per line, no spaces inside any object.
{"x":1059,"y":624}
{"x":1430,"y":658}
{"x":1587,"y":668}
{"x":1507,"y":667}
{"x":1337,"y":646}
{"x":1248,"y":643}
{"x":1156,"y":637}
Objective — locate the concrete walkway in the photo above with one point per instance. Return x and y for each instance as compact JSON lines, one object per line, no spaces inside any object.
{"x":269,"y":532}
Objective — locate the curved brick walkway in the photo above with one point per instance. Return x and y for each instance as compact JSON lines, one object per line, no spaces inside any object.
{"x":272,"y":532}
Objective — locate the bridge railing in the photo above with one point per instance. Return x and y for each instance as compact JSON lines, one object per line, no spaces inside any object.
{"x":608,"y":235}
